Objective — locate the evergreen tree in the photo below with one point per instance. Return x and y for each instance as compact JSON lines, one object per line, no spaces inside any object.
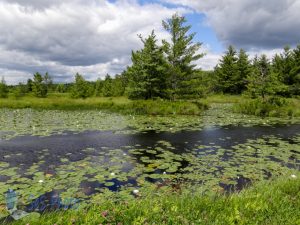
{"x":3,"y":89}
{"x":295,"y":72}
{"x":29,"y":85}
{"x":180,"y":52}
{"x":39,"y":87}
{"x":48,"y":81}
{"x":118,"y":86}
{"x":263,"y":81}
{"x":243,"y":71}
{"x":61,"y":88}
{"x":107,"y":86}
{"x":80,"y":88}
{"x":98,"y":87}
{"x":147,"y":75}
{"x":19,"y":90}
{"x":227,"y":71}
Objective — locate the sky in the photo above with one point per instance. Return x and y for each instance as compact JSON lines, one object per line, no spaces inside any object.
{"x":96,"y":37}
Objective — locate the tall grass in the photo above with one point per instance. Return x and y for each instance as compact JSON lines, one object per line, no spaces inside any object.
{"x":268,"y":202}
{"x":272,"y":107}
{"x":115,"y":104}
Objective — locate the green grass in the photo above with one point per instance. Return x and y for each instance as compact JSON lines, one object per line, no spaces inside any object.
{"x":115,"y":104}
{"x":267,"y":202}
{"x":220,"y":98}
{"x":272,"y":107}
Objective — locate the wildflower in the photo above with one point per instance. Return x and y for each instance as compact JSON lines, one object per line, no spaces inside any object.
{"x":104,"y":213}
{"x":112,"y":174}
{"x":135,"y":191}
{"x":41,"y":181}
{"x":293,"y":176}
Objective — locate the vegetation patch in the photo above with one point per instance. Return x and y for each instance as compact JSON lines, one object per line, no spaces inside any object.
{"x":270,"y":107}
{"x":267,"y":202}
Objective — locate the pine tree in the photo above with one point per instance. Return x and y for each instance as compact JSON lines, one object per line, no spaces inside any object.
{"x":80,"y":88}
{"x":244,"y":70}
{"x":29,"y":85}
{"x":295,"y":72}
{"x":147,"y":75}
{"x":107,"y":86}
{"x":98,"y":87}
{"x":227,"y":71}
{"x":180,"y":52}
{"x":263,"y":81}
{"x":48,"y":81}
{"x":118,"y":85}
{"x":3,"y":89}
{"x":39,"y":87}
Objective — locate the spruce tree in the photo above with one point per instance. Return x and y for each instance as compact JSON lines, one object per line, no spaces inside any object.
{"x":227,"y":71}
{"x":262,"y":81}
{"x":243,"y":71}
{"x":3,"y":89}
{"x":39,"y":86}
{"x":295,"y":72}
{"x":107,"y":86}
{"x":80,"y":88}
{"x":180,"y":52}
{"x":147,"y":75}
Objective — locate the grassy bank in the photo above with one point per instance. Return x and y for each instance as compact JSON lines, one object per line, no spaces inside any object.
{"x":267,"y":202}
{"x":270,"y":107}
{"x":116,"y":104}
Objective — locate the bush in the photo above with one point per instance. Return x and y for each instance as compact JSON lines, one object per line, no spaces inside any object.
{"x":273,"y":106}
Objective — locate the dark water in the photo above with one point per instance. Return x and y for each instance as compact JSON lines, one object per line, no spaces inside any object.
{"x":74,"y":143}
{"x":60,"y":145}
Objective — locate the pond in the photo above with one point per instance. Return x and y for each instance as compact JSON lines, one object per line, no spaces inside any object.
{"x":46,"y":153}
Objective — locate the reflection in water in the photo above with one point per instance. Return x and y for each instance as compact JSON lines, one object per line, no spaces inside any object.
{"x":113,"y":153}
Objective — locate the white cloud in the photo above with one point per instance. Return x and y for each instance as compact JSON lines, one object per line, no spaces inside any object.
{"x":93,"y":37}
{"x":251,"y":24}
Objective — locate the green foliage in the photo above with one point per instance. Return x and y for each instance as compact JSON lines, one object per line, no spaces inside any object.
{"x":268,"y":202}
{"x":29,"y":85}
{"x":81,"y":88}
{"x":287,"y":65}
{"x":19,"y":90}
{"x":147,"y":75}
{"x":180,"y":52}
{"x":244,"y":70}
{"x":39,"y":86}
{"x":107,"y":87}
{"x":226,"y":70}
{"x":61,"y":88}
{"x":272,"y":107}
{"x":3,"y":89}
{"x":233,"y":71}
{"x":263,"y":81}
{"x":98,"y":88}
{"x":119,"y":85}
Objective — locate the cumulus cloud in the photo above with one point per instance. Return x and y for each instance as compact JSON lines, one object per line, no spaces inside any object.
{"x":251,"y":24}
{"x":94,"y":37}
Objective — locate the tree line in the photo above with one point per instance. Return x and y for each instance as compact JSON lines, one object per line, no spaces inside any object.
{"x":168,"y":71}
{"x":260,"y":77}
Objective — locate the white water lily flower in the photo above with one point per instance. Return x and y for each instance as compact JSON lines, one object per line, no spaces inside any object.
{"x":135,"y":191}
{"x":293,"y":176}
{"x":41,"y":181}
{"x":112,"y":174}
{"x":164,"y":173}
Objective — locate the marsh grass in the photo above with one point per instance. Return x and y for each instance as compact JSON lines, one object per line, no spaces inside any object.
{"x":272,"y":107}
{"x":267,"y":202}
{"x":116,"y":104}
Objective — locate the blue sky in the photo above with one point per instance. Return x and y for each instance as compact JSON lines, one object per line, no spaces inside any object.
{"x":96,"y":37}
{"x":204,"y":33}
